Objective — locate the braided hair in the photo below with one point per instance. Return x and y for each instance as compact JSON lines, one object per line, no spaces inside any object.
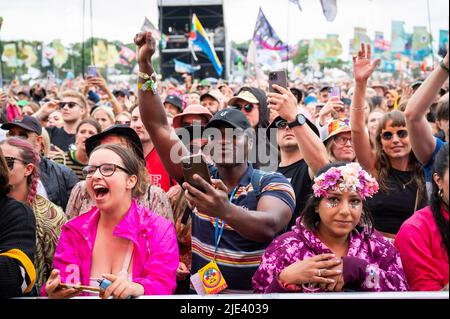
{"x":28,"y":156}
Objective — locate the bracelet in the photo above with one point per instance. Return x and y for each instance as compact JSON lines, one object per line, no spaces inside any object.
{"x":442,"y":65}
{"x":145,"y":76}
{"x":149,"y":85}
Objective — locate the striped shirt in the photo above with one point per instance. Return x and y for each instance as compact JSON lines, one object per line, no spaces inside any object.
{"x":67,"y":159}
{"x":237,"y":257}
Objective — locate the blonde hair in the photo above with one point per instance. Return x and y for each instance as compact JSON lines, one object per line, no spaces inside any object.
{"x":107,"y":110}
{"x":45,"y":142}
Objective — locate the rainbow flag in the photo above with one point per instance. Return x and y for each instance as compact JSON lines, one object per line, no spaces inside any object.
{"x":198,"y":37}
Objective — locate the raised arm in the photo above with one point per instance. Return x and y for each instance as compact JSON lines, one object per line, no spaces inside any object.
{"x":420,"y":133}
{"x":153,"y":113}
{"x":310,"y":145}
{"x":363,"y":68}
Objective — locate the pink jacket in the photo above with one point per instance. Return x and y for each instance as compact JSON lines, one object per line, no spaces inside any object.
{"x":155,"y":253}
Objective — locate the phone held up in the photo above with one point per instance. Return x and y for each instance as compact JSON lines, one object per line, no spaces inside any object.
{"x":92,"y":71}
{"x":335,"y":92}
{"x":195,"y":164}
{"x":278,"y":78}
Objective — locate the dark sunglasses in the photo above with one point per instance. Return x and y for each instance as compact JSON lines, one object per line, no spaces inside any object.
{"x":248,"y":107}
{"x":387,"y":136}
{"x":10,"y":162}
{"x":127,"y":123}
{"x":106,"y":170}
{"x":23,"y":135}
{"x":71,"y":105}
{"x":281,"y":124}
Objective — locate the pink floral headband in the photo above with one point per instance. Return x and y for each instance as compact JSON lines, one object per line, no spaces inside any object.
{"x":350,"y":177}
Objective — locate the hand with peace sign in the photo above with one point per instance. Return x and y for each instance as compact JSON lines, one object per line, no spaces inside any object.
{"x":363,"y":67}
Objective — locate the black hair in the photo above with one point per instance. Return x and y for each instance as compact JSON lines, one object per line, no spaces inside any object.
{"x":436,"y":202}
{"x":4,"y":176}
{"x":310,"y":217}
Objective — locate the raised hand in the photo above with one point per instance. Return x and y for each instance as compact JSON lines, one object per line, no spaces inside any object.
{"x":146,"y":46}
{"x":284,"y":103}
{"x":363,"y":67}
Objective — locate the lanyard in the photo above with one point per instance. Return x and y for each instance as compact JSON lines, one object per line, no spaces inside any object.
{"x":218,"y":233}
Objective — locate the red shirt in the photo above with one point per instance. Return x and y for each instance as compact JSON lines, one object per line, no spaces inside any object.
{"x":158,"y":174}
{"x":424,"y":259}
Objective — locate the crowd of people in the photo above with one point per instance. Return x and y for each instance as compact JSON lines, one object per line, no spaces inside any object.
{"x":304,"y":190}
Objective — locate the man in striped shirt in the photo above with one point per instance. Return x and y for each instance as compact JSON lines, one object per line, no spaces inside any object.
{"x":250,"y":219}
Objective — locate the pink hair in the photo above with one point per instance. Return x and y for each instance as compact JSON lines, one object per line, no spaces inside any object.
{"x":29,"y":156}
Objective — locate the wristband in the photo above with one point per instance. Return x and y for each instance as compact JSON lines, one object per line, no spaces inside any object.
{"x":145,"y":76}
{"x":149,"y":85}
{"x":442,"y":65}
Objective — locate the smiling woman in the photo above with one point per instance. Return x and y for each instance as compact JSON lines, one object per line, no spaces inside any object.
{"x":117,"y":239}
{"x":333,"y":246}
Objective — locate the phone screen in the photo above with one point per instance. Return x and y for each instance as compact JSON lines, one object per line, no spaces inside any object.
{"x":92,"y":71}
{"x":195,"y":164}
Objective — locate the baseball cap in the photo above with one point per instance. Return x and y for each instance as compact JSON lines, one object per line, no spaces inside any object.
{"x":214,"y":94}
{"x":325,"y":87}
{"x":245,"y":95}
{"x":297,"y":93}
{"x":120,"y":130}
{"x":194,"y":109}
{"x":336,"y":127}
{"x":28,"y":123}
{"x":229,"y":116}
{"x":175,"y":100}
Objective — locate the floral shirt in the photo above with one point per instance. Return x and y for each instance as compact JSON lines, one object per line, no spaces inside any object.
{"x":155,"y":200}
{"x":372,"y":263}
{"x":49,"y":221}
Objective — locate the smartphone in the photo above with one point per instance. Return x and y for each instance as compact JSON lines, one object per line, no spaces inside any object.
{"x":334,"y":92}
{"x":80,"y":287}
{"x":279,"y":78}
{"x":92,"y":71}
{"x":195,"y":164}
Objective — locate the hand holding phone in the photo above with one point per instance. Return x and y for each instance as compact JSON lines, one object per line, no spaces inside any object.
{"x":92,"y":71}
{"x":335,"y":92}
{"x":195,"y":164}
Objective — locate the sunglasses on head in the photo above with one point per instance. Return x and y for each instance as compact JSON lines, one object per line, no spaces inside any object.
{"x":248,"y":107}
{"x":69,"y":104}
{"x":388,"y":135}
{"x":10,"y":161}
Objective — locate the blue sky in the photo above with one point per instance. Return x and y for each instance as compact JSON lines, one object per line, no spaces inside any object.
{"x":46,"y":20}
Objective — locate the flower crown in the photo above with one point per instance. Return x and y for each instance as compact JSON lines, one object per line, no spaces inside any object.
{"x":350,"y":177}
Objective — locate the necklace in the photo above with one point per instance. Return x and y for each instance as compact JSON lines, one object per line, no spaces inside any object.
{"x":403,"y":184}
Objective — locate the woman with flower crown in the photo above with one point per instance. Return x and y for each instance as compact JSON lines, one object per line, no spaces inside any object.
{"x":333,"y":246}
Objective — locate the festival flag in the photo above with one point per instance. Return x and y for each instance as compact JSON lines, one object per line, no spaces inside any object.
{"x":360,"y":36}
{"x":9,"y":55}
{"x":181,"y":67}
{"x":126,"y":55}
{"x":399,"y":38}
{"x":113,"y":55}
{"x":297,"y":2}
{"x":329,"y":8}
{"x":381,"y":45}
{"x":61,"y":55}
{"x":265,"y":36}
{"x":421,"y":40}
{"x":100,"y":54}
{"x":199,"y":38}
{"x":443,"y":42}
{"x":28,"y":55}
{"x":325,"y":50}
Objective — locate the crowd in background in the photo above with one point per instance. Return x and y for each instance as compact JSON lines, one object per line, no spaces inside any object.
{"x":357,"y":199}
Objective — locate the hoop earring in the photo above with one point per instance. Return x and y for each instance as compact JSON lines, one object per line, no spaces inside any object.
{"x":440,"y":193}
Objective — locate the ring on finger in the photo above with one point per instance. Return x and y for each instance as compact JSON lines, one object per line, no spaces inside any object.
{"x":319,"y":272}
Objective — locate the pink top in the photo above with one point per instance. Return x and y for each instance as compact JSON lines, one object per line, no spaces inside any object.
{"x":424,"y":259}
{"x":155,"y":254}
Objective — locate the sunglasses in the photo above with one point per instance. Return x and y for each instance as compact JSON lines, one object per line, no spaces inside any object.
{"x":387,"y":136}
{"x":10,"y":162}
{"x":71,"y":105}
{"x":248,"y":107}
{"x":106,"y":170}
{"x":281,"y":124}
{"x":123,"y":122}
{"x":23,"y":135}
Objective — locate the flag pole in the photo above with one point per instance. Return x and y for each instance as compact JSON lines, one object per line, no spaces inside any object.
{"x":92,"y":33}
{"x":82,"y":42}
{"x":430,"y":37}
{"x":287,"y":40}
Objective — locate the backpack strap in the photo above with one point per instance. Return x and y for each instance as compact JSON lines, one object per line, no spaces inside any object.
{"x":256,"y":179}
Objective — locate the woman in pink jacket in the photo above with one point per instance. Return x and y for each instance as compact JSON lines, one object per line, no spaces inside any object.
{"x":117,"y":240}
